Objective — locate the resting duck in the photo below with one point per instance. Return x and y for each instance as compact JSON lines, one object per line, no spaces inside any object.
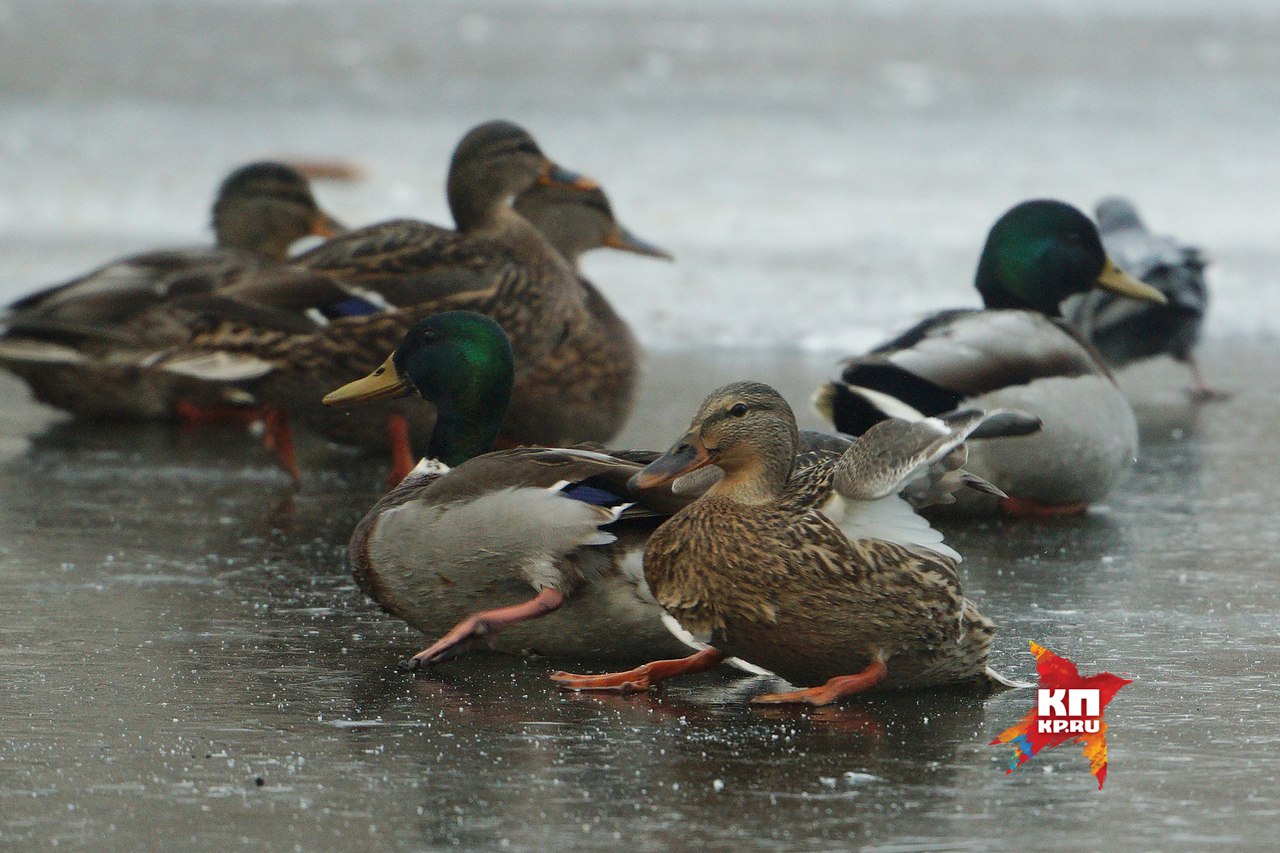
{"x":367,"y":287}
{"x":470,"y":528}
{"x":76,"y":343}
{"x":761,"y":567}
{"x":585,"y":388}
{"x":1014,"y":353}
{"x":1125,"y":331}
{"x":540,"y":532}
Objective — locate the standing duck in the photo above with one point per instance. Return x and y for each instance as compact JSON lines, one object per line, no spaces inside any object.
{"x":76,"y":344}
{"x":1125,"y":331}
{"x":369,"y":286}
{"x":1016,"y":353}
{"x":760,"y":566}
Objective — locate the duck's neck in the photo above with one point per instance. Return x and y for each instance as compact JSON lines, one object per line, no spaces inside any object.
{"x":465,"y":429}
{"x":758,"y":480}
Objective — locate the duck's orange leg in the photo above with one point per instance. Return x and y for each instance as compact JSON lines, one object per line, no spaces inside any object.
{"x":402,"y":460}
{"x":1201,"y":391}
{"x":1028,"y":508}
{"x":279,"y":440}
{"x":642,"y":677}
{"x":837,"y":688}
{"x":461,"y":637}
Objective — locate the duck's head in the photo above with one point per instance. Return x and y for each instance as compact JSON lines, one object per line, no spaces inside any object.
{"x":1043,"y":251}
{"x":1118,"y":214}
{"x":493,"y":163}
{"x":746,"y":429}
{"x":575,"y":221}
{"x":266,"y":207}
{"x":460,"y":361}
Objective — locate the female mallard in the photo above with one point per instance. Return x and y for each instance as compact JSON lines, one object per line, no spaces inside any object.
{"x":1015,"y":353}
{"x":76,"y":344}
{"x":585,"y":388}
{"x":1125,"y":331}
{"x":759,"y":568}
{"x":368,"y":286}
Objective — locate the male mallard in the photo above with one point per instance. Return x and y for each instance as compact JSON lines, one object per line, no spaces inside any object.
{"x":76,"y":343}
{"x":470,"y":528}
{"x":760,"y":567}
{"x":1016,"y":353}
{"x":1125,"y":331}
{"x":521,"y":528}
{"x":368,"y":286}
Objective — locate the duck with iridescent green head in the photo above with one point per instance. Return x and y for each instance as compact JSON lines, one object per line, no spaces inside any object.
{"x":1015,"y":352}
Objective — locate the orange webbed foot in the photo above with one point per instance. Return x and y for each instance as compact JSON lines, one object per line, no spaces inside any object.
{"x":463,"y":636}
{"x":642,"y":677}
{"x":835,"y":689}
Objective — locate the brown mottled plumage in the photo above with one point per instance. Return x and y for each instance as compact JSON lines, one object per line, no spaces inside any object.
{"x":759,"y":568}
{"x":78,"y":344}
{"x":496,"y":264}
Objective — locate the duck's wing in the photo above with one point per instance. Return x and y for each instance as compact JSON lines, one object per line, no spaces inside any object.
{"x":869,"y":489}
{"x":104,"y":304}
{"x":950,"y":357}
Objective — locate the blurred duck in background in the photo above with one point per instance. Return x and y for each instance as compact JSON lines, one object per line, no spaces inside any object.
{"x":77,"y":344}
{"x":1126,"y":330}
{"x":366,"y":288}
{"x":1016,"y":353}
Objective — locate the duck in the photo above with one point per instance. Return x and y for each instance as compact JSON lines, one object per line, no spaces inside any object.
{"x":76,"y":344}
{"x":585,"y":389}
{"x":365,"y":288}
{"x":1125,"y":331}
{"x":1016,"y":352}
{"x":531,"y":549}
{"x":819,"y":573}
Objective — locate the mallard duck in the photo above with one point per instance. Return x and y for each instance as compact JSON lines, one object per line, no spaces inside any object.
{"x":368,"y":286}
{"x":521,"y":529}
{"x":476,"y":542}
{"x":1015,"y":353}
{"x":76,"y":344}
{"x":760,"y":566}
{"x":585,"y":388}
{"x":1125,"y":331}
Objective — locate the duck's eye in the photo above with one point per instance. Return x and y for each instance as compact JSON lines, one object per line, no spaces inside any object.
{"x":738,"y":409}
{"x":429,"y":337}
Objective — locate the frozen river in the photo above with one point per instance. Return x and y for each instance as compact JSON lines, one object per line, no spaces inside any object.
{"x":185,"y":663}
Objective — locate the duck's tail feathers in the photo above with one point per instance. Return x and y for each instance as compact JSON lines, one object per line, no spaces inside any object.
{"x":214,"y":366}
{"x":999,"y":682}
{"x":39,"y":352}
{"x":854,"y":409}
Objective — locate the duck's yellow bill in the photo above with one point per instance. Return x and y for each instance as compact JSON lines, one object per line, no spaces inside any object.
{"x":384,"y":382}
{"x":1118,"y":281}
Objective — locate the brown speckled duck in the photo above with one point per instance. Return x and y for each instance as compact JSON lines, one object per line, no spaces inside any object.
{"x":819,"y":573}
{"x":77,"y":344}
{"x":370,"y":285}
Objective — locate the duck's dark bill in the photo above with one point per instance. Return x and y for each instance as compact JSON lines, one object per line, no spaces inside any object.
{"x":386,"y":381}
{"x":689,"y":454}
{"x":1116,"y":280}
{"x":623,"y":240}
